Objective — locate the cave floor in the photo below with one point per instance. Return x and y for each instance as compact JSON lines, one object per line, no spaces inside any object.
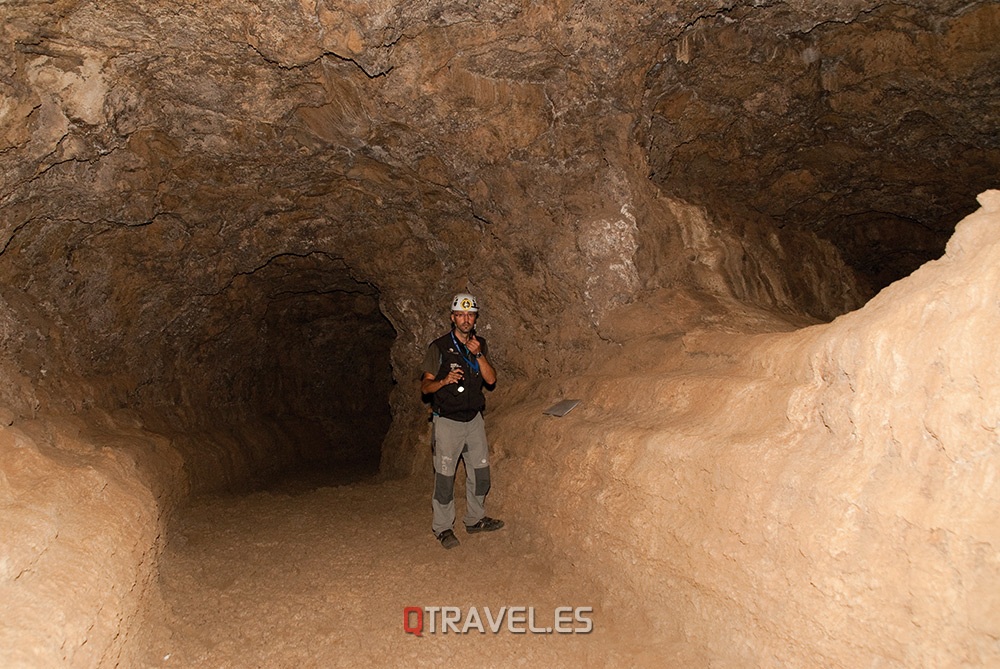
{"x":320,"y":577}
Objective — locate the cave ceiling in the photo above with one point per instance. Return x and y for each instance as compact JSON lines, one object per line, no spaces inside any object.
{"x":874,"y":130}
{"x":441,"y":145}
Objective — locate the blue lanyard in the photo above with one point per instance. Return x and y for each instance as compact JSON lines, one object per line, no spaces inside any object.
{"x":471,"y":362}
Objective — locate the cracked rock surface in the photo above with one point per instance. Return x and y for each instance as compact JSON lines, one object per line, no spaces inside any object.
{"x":229,"y":230}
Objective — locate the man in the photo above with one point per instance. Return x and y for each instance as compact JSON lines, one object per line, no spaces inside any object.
{"x":454,"y":371}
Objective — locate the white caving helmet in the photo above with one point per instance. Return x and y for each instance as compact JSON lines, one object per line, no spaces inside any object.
{"x":464,"y":302}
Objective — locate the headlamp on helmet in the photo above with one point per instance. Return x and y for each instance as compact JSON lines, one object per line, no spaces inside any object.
{"x":464,"y":302}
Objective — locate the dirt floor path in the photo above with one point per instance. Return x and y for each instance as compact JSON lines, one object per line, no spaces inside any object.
{"x":320,"y":577}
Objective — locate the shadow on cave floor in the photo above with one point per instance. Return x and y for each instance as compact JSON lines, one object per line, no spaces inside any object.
{"x":321,"y":577}
{"x":310,"y":476}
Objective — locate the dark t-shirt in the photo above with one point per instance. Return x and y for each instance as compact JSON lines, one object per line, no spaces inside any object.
{"x":445,"y":353}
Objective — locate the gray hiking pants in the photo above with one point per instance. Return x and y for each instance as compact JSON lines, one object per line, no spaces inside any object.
{"x":453,"y":440}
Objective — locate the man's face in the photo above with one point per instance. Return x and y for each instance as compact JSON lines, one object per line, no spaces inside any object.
{"x":464,"y":321}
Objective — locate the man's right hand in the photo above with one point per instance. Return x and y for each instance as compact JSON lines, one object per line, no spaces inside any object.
{"x":454,"y":376}
{"x":427,"y":386}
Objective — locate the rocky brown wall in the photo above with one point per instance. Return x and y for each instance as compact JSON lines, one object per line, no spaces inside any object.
{"x":819,"y":497}
{"x":772,"y":111}
{"x":201,"y":204}
{"x":84,"y":503}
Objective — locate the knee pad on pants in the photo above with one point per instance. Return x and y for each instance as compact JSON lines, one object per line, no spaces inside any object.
{"x":444,"y":488}
{"x":482,"y":481}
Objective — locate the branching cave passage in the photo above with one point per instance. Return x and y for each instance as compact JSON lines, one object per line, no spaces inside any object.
{"x":872,"y":133}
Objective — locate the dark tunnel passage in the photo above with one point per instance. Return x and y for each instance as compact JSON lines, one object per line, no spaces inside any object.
{"x":305,"y":347}
{"x":290,"y":341}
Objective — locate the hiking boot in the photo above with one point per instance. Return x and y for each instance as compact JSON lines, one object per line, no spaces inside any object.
{"x":448,"y":539}
{"x":486,"y":524}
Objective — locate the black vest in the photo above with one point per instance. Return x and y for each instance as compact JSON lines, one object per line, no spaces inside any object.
{"x":448,"y":402}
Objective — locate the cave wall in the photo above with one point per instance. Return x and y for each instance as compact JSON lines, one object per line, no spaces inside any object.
{"x":84,"y":501}
{"x":165,"y":157}
{"x":209,"y":214}
{"x":871,"y":126}
{"x":819,"y":496}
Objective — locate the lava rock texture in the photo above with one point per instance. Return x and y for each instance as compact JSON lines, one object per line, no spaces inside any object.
{"x":229,"y":229}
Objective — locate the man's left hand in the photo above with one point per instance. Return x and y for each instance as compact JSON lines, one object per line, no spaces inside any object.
{"x":474,"y":346}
